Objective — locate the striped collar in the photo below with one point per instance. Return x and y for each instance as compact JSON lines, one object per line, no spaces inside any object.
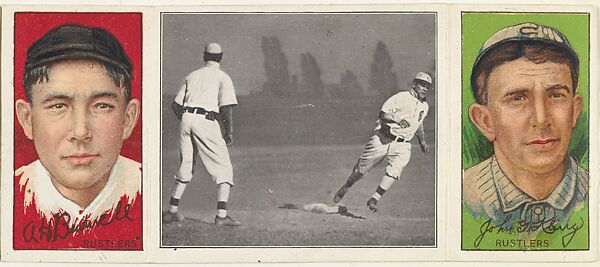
{"x":511,"y":197}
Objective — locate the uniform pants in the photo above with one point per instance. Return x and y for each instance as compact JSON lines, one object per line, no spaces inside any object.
{"x":397,"y":155}
{"x":206,"y":136}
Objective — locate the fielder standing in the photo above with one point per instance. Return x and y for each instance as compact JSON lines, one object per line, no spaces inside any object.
{"x":400,"y":118}
{"x":205,"y":92}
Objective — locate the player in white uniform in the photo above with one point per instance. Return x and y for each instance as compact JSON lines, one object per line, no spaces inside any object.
{"x":401,"y":117}
{"x":206,"y":96}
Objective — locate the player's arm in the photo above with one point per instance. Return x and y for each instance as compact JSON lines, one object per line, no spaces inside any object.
{"x":177,"y":108}
{"x":389,"y":118}
{"x":394,"y":105}
{"x":227,"y":101}
{"x":227,"y":119}
{"x":386,"y":117}
{"x":421,"y":136}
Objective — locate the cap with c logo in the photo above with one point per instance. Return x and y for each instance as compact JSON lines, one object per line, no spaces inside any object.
{"x":526,"y":32}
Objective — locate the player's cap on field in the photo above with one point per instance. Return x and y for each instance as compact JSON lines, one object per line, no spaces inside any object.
{"x":213,"y":48}
{"x":422,"y":76}
{"x":71,"y":42}
{"x":527,"y":32}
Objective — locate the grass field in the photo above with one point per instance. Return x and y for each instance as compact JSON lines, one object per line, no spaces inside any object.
{"x":268,"y":177}
{"x":290,"y":153}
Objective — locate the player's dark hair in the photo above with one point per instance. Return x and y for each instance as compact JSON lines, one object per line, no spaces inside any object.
{"x":40,"y":75}
{"x":534,"y":51}
{"x":213,"y":57}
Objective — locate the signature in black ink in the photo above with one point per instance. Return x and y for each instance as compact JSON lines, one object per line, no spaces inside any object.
{"x":549,"y":226}
{"x":59,"y":226}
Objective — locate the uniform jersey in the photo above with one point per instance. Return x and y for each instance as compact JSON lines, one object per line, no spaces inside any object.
{"x":490,"y":194}
{"x":404,"y":106}
{"x":208,"y":87}
{"x":45,"y":219}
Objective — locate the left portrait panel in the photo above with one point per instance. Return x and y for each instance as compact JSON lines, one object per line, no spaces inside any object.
{"x":77,"y":172}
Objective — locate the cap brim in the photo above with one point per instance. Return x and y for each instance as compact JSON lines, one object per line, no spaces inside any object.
{"x":426,"y":81}
{"x":76,"y":55}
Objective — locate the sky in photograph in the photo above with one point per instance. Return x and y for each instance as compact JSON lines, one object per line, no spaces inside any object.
{"x":339,"y":42}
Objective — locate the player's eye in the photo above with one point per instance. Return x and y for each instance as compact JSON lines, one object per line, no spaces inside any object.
{"x":103,"y":106}
{"x":557,"y":95}
{"x":518,"y":98}
{"x":56,"y":107}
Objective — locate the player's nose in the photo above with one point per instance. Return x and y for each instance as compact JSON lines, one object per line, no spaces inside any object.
{"x":80,"y":130}
{"x":540,"y":118}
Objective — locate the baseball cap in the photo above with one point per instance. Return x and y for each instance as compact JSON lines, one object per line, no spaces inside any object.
{"x":213,"y":48}
{"x":69,"y":42}
{"x":423,"y":77}
{"x":526,"y":32}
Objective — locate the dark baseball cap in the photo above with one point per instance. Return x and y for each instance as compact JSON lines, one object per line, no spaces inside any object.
{"x":71,"y":42}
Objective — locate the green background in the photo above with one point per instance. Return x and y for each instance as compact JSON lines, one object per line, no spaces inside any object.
{"x":476,"y":29}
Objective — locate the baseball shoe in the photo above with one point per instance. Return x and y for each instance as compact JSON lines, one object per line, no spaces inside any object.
{"x":227,"y":221}
{"x":340,"y":193}
{"x":170,"y":217}
{"x":372,"y":204}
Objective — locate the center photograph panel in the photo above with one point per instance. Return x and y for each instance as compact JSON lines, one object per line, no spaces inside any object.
{"x":298,"y":129}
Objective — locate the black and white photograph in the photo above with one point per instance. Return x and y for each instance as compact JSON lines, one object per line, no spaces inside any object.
{"x":298,"y":129}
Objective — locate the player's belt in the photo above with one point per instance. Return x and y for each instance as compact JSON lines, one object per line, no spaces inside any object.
{"x":195,"y":110}
{"x":210,"y":115}
{"x":399,"y":139}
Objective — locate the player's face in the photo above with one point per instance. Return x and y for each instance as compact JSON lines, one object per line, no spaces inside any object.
{"x":421,"y":88}
{"x":78,"y":120}
{"x":532,"y":112}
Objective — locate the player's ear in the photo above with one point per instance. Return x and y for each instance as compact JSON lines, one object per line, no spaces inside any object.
{"x":480,"y":116}
{"x":24,"y":116}
{"x":577,"y":107}
{"x":132,"y":112}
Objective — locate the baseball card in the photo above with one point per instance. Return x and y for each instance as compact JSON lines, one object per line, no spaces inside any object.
{"x":303,"y":132}
{"x":328,"y":133}
{"x":526,"y":115}
{"x":72,"y":133}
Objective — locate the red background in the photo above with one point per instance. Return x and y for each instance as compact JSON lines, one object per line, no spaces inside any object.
{"x":29,"y":27}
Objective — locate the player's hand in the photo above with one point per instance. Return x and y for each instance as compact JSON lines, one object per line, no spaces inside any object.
{"x":424,"y":147}
{"x":404,"y":124}
{"x":228,"y":138}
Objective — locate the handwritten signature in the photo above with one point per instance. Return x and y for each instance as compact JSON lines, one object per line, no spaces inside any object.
{"x":548,"y":226}
{"x":59,"y":226}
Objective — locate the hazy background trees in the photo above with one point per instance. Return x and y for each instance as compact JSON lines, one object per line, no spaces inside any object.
{"x":382,"y":81}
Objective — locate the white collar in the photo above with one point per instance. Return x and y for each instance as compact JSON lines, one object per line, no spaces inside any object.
{"x":124,"y":180}
{"x":211,"y":63}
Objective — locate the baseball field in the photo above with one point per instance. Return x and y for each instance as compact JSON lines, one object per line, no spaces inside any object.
{"x":273,"y":176}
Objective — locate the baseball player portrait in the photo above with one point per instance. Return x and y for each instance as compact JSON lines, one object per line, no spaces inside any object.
{"x":527,"y":105}
{"x":78,"y":112}
{"x":400,"y":119}
{"x":206,"y":97}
